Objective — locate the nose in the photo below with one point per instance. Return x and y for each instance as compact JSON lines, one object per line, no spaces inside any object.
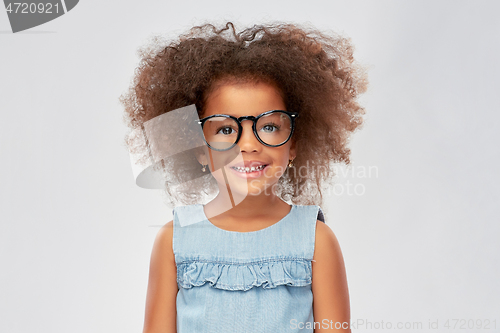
{"x":248,"y":141}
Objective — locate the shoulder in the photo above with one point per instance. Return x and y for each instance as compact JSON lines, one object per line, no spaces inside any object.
{"x":166,"y":231}
{"x":326,"y":243}
{"x":329,"y":280}
{"x":162,"y":263}
{"x":162,"y":285}
{"x":163,"y":241}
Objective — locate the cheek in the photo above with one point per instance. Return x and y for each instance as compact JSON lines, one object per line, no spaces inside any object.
{"x":280,"y":162}
{"x":286,"y":153}
{"x":219,"y":160}
{"x":276,"y":172}
{"x":216,"y":160}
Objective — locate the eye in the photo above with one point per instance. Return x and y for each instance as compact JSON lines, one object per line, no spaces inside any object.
{"x":270,"y":128}
{"x":225,"y":130}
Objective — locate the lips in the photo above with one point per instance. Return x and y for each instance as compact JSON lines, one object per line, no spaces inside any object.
{"x":249,"y":166}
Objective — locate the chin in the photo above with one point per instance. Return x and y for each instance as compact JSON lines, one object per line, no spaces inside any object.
{"x":241,"y":187}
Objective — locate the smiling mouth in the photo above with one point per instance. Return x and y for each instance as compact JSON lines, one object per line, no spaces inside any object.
{"x":249,"y":169}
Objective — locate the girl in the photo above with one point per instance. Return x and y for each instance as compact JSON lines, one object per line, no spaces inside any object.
{"x":276,"y":105}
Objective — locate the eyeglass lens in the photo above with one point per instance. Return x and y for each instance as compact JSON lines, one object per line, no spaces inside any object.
{"x":222,"y":132}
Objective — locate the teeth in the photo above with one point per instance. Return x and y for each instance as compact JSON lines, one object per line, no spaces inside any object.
{"x":249,"y":169}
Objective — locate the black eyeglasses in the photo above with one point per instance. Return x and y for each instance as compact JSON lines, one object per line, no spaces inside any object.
{"x":272,"y":128}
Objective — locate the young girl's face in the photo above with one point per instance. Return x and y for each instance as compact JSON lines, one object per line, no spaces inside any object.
{"x":247,"y":99}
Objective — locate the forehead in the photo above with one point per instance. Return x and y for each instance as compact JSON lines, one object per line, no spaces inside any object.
{"x":244,"y":99}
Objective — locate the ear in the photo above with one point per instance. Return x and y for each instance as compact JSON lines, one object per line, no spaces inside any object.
{"x":201,"y":156}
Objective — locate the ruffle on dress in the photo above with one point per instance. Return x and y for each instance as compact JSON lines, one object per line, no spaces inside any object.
{"x":267,"y":274}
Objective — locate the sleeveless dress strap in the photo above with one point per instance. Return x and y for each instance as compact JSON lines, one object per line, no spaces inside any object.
{"x":321,"y":217}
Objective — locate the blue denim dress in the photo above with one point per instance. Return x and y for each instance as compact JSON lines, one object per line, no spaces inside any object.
{"x":239,"y":282}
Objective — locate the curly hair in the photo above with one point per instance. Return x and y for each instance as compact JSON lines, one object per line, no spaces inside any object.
{"x":315,"y":72}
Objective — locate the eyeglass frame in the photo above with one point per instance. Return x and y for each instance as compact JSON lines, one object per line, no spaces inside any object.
{"x":293,"y":116}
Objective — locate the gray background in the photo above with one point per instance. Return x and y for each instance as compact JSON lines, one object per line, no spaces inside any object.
{"x":420,"y":244}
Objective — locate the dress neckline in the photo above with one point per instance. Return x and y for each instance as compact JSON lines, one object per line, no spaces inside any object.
{"x":201,"y":207}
